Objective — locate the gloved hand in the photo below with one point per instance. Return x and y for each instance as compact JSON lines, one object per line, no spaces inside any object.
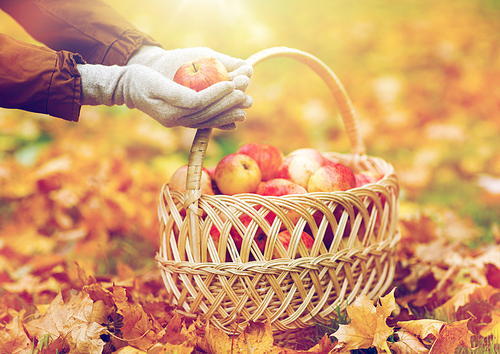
{"x":169,"y":103}
{"x":167,"y":62}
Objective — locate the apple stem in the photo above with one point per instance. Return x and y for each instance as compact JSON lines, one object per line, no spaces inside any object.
{"x":194,"y":67}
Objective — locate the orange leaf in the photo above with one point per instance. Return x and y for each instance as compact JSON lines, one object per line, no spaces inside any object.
{"x":451,"y":336}
{"x":257,"y":338}
{"x":13,"y":339}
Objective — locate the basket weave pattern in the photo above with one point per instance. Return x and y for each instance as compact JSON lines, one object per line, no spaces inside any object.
{"x":234,"y":280}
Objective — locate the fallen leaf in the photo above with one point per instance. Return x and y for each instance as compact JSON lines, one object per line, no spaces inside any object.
{"x":368,"y":327}
{"x":423,"y":328}
{"x":73,"y":321}
{"x":492,"y":328}
{"x":13,"y":339}
{"x":257,"y":338}
{"x":408,"y":344}
{"x":451,"y":336}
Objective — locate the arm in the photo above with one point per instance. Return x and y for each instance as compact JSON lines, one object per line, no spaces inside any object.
{"x":88,"y":27}
{"x":38,"y":79}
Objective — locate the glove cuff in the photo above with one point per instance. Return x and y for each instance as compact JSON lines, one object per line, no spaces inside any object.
{"x":99,"y":84}
{"x":145,"y":55}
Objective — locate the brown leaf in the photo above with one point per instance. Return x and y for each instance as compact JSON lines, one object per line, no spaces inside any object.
{"x":408,"y":344}
{"x":368,"y":327}
{"x":257,"y":338}
{"x":451,"y":336}
{"x":13,"y":339}
{"x":73,"y":321}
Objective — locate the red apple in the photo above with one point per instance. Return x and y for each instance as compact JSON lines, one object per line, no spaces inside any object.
{"x":310,"y":153}
{"x":365,"y":177}
{"x":268,"y":157}
{"x":200,"y":73}
{"x":178,"y":181}
{"x":298,"y":169}
{"x":260,"y":237}
{"x":237,"y":173}
{"x":278,"y":187}
{"x":332,"y":178}
{"x":285,"y":236}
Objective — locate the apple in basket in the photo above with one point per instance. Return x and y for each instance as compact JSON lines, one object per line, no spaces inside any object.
{"x":237,"y":173}
{"x":298,"y":169}
{"x":200,"y":73}
{"x":310,"y":153}
{"x":279,"y":186}
{"x":365,"y":177}
{"x":268,"y":157}
{"x":260,"y":237}
{"x":178,"y":181}
{"x":331,"y":178}
{"x":285,"y":236}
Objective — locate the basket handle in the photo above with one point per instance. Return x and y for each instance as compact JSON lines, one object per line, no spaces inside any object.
{"x":200,"y":142}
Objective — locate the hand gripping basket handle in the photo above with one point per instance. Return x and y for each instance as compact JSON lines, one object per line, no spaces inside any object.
{"x":200,"y":142}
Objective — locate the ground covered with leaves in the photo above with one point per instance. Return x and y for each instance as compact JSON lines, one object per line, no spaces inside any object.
{"x":78,"y":222}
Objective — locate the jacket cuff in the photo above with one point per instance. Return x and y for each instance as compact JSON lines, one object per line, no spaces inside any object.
{"x":65,"y":87}
{"x":120,"y":51}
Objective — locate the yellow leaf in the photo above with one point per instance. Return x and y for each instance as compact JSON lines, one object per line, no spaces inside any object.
{"x":368,"y":327}
{"x":492,"y":328}
{"x":257,"y":338}
{"x":408,"y":344}
{"x":422,"y":328}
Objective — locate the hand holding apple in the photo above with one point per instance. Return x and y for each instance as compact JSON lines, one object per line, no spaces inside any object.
{"x":200,"y":73}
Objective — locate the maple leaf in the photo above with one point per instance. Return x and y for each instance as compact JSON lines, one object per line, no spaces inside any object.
{"x":422,"y":328}
{"x":451,"y":336}
{"x":368,"y":327}
{"x":13,"y":340}
{"x":72,"y":321}
{"x":137,"y":327}
{"x":408,"y":344}
{"x":257,"y":338}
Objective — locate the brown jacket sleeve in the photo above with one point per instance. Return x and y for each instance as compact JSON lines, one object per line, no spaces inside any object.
{"x":90,"y":28}
{"x":38,"y":79}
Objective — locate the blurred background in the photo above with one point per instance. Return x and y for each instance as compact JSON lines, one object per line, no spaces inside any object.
{"x":423,"y":76}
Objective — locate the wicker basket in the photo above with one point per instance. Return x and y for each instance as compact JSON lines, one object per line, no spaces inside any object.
{"x":355,"y":236}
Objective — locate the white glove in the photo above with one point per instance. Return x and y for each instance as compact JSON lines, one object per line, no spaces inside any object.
{"x":167,"y":62}
{"x":169,"y":103}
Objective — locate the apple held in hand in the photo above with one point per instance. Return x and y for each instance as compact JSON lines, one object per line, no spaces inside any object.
{"x":200,"y":73}
{"x":237,"y":173}
{"x":178,"y":181}
{"x":332,"y":178}
{"x":268,"y":157}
